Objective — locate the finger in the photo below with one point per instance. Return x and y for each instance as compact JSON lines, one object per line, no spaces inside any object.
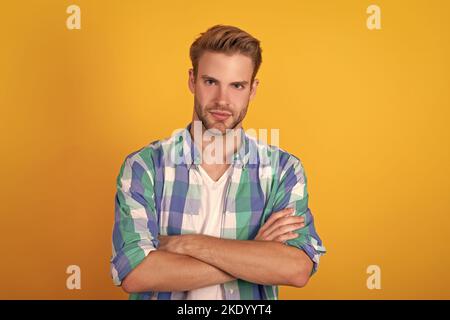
{"x":286,"y":236}
{"x":285,"y":229}
{"x":277,"y":215}
{"x":282,"y":230}
{"x":284,"y":221}
{"x":280,"y":223}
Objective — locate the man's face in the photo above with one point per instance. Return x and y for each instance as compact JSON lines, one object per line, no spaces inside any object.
{"x":222,"y":90}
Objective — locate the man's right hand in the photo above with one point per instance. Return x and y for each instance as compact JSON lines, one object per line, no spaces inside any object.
{"x":280,"y":226}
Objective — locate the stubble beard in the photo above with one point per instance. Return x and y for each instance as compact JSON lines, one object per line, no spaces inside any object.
{"x":218,"y":127}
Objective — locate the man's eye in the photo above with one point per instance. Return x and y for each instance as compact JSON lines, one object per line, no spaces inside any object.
{"x":238,"y":86}
{"x":209,"y":82}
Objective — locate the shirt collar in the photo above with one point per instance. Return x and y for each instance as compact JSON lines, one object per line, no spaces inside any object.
{"x":192,"y":155}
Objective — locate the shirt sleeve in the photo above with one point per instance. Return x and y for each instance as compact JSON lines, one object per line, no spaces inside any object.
{"x":135,"y":231}
{"x":292,"y":193}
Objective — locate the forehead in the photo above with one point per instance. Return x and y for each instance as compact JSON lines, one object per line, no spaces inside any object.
{"x":227,"y":68}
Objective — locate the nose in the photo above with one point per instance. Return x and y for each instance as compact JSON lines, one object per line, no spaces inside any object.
{"x":221,"y":96}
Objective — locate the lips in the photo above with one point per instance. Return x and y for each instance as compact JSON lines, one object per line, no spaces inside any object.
{"x":220,"y":115}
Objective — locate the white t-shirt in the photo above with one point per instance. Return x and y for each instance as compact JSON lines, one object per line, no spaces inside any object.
{"x":209,"y":222}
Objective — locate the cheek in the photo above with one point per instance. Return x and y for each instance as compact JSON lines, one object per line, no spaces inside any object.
{"x":239,"y":99}
{"x":204,"y":94}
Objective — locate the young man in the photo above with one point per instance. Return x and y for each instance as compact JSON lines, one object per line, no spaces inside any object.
{"x":212,"y":213}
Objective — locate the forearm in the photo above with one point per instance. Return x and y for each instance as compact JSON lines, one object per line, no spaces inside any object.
{"x":263,"y":262}
{"x":167,"y":271}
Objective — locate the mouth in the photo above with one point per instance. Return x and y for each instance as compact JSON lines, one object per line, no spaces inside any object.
{"x":220,"y":115}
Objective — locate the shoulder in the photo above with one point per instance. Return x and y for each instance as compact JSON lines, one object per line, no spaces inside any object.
{"x":143,"y":163}
{"x":281,"y":161}
{"x":153,"y":154}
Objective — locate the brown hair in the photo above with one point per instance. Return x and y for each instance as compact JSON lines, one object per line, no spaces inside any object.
{"x":228,"y":40}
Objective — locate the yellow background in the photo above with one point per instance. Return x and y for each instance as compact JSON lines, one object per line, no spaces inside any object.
{"x":366,"y":111}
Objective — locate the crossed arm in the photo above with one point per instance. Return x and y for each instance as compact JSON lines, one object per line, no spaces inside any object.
{"x":187,"y":262}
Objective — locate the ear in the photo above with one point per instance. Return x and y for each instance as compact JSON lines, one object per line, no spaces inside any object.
{"x":191,"y":81}
{"x":253,"y":88}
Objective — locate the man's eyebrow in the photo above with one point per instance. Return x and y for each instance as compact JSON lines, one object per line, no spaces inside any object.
{"x":242,"y":83}
{"x":206,"y":77}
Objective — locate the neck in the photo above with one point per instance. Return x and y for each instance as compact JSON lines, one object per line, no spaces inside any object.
{"x":217,"y":149}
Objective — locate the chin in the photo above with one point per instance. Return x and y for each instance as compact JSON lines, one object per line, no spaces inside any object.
{"x":220,"y":126}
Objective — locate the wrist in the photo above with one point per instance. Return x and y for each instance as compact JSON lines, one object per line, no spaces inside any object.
{"x":192,"y":244}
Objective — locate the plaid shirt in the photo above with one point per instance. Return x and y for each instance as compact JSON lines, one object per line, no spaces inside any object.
{"x":157,"y":193}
